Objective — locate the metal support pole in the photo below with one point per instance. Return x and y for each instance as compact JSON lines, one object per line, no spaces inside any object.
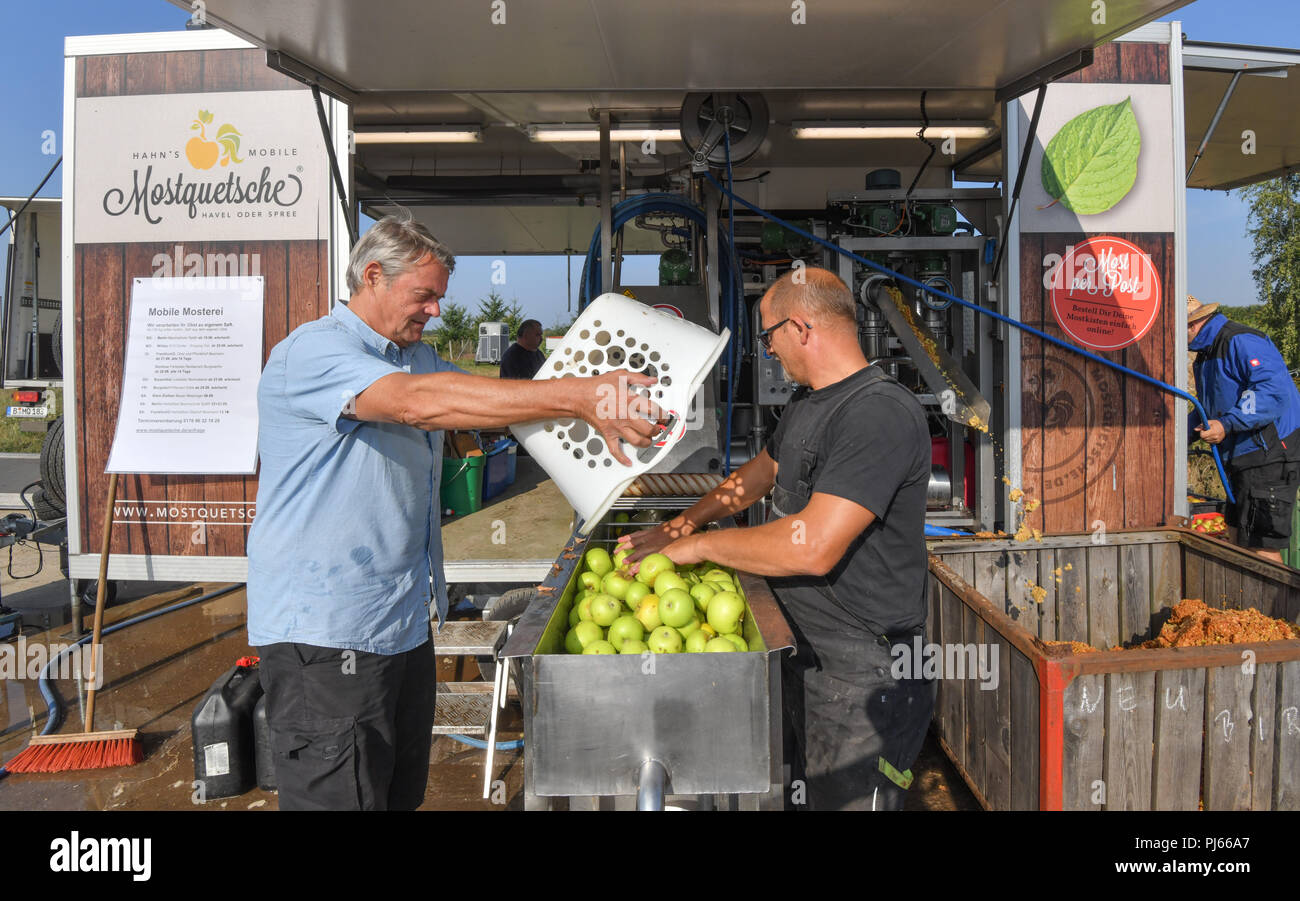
{"x":34,"y":357}
{"x":1214,"y":123}
{"x":650,"y":783}
{"x":606,"y":208}
{"x":622,"y":196}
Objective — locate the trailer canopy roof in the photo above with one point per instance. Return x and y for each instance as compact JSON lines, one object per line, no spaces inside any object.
{"x":1264,"y":103}
{"x":412,"y":63}
{"x":614,"y":45}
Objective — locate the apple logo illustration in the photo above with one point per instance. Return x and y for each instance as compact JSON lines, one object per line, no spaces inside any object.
{"x":202,"y":153}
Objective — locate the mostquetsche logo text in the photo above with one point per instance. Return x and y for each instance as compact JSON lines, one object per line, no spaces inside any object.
{"x":150,"y":191}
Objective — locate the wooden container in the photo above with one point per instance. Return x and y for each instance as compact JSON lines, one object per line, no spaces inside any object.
{"x":1171,"y":729}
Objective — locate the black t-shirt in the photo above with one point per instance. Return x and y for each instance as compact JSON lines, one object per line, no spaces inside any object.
{"x":517,"y":363}
{"x":875,"y":453}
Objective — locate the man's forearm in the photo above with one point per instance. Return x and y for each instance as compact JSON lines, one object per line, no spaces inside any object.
{"x":736,"y":493}
{"x":450,"y":400}
{"x":773,"y":549}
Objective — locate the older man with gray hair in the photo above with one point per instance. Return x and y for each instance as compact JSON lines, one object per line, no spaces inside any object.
{"x":346,"y":549}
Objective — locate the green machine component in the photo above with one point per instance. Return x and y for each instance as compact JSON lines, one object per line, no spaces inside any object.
{"x":675,"y":268}
{"x":939,"y":219}
{"x":932,"y":264}
{"x":775,"y":239}
{"x":881,"y":219}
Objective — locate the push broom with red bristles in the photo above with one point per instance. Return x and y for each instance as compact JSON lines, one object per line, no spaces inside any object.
{"x":87,"y":750}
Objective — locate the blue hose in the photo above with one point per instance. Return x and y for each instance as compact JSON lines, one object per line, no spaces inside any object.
{"x":941,"y":532}
{"x":1218,"y":462}
{"x":479,"y":743}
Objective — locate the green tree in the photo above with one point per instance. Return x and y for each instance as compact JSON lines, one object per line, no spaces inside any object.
{"x":457,"y":334}
{"x":1274,"y":226}
{"x":513,"y":318}
{"x":491,"y":309}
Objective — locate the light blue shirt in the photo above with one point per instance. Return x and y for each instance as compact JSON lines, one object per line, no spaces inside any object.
{"x":348,"y":526}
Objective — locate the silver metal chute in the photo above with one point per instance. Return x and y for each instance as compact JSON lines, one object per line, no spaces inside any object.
{"x":959,"y":399}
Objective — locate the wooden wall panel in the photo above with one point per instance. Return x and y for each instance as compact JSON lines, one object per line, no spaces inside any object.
{"x":296,"y":277}
{"x":1097,"y":446}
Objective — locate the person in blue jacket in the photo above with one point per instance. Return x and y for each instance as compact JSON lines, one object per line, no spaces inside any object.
{"x":1254,"y":409}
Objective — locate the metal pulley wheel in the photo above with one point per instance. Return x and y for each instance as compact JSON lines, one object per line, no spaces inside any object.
{"x":705,"y":115}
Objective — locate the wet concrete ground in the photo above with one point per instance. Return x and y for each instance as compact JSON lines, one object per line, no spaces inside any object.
{"x":157,"y":672}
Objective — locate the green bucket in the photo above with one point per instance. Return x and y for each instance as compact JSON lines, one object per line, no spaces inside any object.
{"x":462,"y":484}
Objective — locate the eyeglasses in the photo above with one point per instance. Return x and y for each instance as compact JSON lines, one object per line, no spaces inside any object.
{"x":765,"y":336}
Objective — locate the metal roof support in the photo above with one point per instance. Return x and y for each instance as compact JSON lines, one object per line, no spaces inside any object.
{"x":1020,"y":180}
{"x":334,"y":165}
{"x":1071,"y":62}
{"x":1214,"y":123}
{"x":606,"y":207}
{"x":298,"y":71}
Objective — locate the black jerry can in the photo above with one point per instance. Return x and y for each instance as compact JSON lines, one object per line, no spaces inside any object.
{"x":222,"y":728}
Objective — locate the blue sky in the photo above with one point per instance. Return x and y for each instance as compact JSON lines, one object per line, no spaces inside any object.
{"x":1218,"y":250}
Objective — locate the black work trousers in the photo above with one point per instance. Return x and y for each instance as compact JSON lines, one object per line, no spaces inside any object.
{"x":856,"y":729}
{"x":351,"y":729}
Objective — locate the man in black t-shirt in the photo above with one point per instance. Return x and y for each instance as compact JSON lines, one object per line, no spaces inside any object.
{"x":523,"y":358}
{"x":845,"y":555}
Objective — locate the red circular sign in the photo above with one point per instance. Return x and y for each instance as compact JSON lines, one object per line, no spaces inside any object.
{"x":1105,"y":293}
{"x":668,"y":308}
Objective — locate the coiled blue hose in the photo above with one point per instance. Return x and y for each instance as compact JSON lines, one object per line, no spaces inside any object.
{"x":1196,"y":404}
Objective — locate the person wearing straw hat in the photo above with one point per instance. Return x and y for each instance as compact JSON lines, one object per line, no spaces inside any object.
{"x":848,"y":468}
{"x":347,"y":547}
{"x":1254,"y":408}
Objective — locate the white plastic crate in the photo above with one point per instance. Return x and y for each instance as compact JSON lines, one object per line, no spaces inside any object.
{"x":616,"y":332}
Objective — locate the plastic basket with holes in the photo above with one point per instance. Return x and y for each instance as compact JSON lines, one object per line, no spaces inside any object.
{"x":616,"y":332}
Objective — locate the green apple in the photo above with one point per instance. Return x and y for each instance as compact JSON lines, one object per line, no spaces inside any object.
{"x":590,"y":580}
{"x":633,"y":647}
{"x":738,"y":641}
{"x":696,"y":641}
{"x":601,"y":647}
{"x":625,"y":628}
{"x":584,"y":607}
{"x":676,"y":607}
{"x":575,"y":616}
{"x":621,"y":555}
{"x":725,"y":611}
{"x":598,"y":561}
{"x":652,"y":566}
{"x":617,"y":583}
{"x":605,"y":609}
{"x":635,"y":592}
{"x":715,"y":645}
{"x":584,"y":633}
{"x":648,"y":612}
{"x":667,"y":580}
{"x":692,"y":625}
{"x":702,"y":592}
{"x":665,"y":640}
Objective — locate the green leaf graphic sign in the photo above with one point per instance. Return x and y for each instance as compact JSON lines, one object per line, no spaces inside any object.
{"x":1091,"y":163}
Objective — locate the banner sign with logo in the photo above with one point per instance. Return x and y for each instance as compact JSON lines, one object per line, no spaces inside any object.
{"x":235,"y":166}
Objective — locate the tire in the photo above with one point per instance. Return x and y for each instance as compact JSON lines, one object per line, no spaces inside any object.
{"x":45,"y":511}
{"x":52,"y":473}
{"x":89,"y":591}
{"x":56,"y":341}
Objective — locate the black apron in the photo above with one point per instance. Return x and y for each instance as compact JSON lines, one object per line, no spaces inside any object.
{"x":856,"y":729}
